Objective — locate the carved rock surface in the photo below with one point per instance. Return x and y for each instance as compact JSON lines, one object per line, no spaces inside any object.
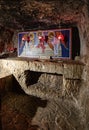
{"x":64,"y":113}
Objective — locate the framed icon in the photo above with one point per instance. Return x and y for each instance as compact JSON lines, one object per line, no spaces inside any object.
{"x":45,"y":43}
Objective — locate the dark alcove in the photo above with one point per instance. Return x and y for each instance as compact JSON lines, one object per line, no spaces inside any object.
{"x":75,"y":42}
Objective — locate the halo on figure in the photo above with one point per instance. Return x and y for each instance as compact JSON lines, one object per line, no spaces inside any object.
{"x":31,"y":35}
{"x":39,"y":33}
{"x":51,"y":35}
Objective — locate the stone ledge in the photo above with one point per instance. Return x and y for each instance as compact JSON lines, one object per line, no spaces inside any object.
{"x":70,"y":73}
{"x":69,"y":69}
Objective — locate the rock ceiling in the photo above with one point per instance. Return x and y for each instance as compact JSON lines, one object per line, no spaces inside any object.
{"x":28,"y":14}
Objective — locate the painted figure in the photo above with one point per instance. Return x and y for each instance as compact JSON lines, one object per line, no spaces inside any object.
{"x":41,"y":42}
{"x":64,"y":45}
{"x":56,"y":44}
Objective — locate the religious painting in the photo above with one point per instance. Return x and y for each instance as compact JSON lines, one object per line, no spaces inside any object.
{"x":45,"y":43}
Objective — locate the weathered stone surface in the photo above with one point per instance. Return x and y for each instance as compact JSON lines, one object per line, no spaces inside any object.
{"x":71,"y":87}
{"x":60,"y":114}
{"x":73,"y":71}
{"x":68,"y":69}
{"x":58,"y":106}
{"x":35,"y":14}
{"x":25,"y":15}
{"x":45,"y":79}
{"x":23,"y":112}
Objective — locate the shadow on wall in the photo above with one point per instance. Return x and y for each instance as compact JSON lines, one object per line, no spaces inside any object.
{"x":32,"y":77}
{"x":38,"y":102}
{"x":75,"y":42}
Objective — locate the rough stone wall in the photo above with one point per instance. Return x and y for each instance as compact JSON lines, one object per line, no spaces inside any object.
{"x":84,"y":37}
{"x":26,"y":112}
{"x":5,"y":39}
{"x":52,"y":100}
{"x":70,"y":113}
{"x":31,"y":15}
{"x":50,"y":79}
{"x":16,"y":108}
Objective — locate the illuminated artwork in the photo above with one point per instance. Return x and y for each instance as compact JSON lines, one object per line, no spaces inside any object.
{"x":45,"y":43}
